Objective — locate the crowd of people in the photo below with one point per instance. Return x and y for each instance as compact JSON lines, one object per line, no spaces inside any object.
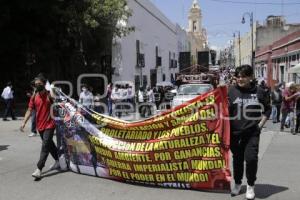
{"x":283,"y":97}
{"x":244,"y":92}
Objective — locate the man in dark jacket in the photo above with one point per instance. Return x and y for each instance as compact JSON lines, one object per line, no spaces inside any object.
{"x":249,"y":110}
{"x":276,"y":99}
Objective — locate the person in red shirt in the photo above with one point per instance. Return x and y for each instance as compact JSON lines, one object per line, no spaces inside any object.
{"x":41,"y":103}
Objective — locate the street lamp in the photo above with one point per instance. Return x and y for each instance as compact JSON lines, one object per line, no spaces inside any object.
{"x":251,"y":25}
{"x":239,"y":40}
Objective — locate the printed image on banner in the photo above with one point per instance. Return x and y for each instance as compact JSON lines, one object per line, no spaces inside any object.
{"x":186,"y":147}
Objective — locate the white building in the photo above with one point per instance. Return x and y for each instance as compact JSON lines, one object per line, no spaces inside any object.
{"x":183,"y":42}
{"x":154,"y":41}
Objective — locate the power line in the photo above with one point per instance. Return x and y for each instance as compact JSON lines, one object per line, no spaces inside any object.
{"x":257,"y":3}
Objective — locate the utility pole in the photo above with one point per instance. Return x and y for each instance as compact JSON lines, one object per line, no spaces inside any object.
{"x":251,"y":25}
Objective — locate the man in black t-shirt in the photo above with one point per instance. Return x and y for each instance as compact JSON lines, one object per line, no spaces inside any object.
{"x":249,"y":110}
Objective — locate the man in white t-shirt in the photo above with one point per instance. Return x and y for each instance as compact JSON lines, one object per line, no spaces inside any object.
{"x":86,"y":98}
{"x":8,"y":96}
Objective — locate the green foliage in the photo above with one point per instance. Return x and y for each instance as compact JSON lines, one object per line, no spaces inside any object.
{"x":61,"y":38}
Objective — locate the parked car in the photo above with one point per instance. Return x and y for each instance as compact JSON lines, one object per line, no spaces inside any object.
{"x":187,"y":92}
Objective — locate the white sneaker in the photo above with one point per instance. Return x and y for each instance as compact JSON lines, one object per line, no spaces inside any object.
{"x":32,"y":134}
{"x":55,"y":166}
{"x":37,"y":173}
{"x":236,"y":189}
{"x":250,"y":194}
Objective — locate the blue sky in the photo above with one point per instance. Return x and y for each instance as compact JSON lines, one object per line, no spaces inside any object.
{"x":222,"y":19}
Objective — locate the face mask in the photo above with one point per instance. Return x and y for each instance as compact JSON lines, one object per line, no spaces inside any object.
{"x":84,"y":89}
{"x":40,"y":88}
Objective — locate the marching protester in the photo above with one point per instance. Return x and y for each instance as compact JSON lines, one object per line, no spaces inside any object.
{"x":288,"y":104}
{"x":97,"y":103}
{"x":140,"y":100}
{"x":41,"y":103}
{"x":156,"y":97}
{"x":266,"y":89}
{"x":8,"y":96}
{"x":116,"y":99}
{"x":130,"y":94}
{"x":109,"y":99}
{"x":130,"y":97}
{"x":86,"y":98}
{"x":276,"y":100}
{"x":248,"y":111}
{"x":150,"y":100}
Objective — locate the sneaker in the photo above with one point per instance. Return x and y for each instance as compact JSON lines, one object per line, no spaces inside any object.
{"x":281,"y":129}
{"x":293,"y":131}
{"x":250,"y":192}
{"x":37,"y":173}
{"x":54,"y":166}
{"x":236,"y":189}
{"x":32,"y":134}
{"x":4,"y":119}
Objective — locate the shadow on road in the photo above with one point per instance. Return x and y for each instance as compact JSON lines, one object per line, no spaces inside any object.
{"x":263,"y":191}
{"x":3,"y":147}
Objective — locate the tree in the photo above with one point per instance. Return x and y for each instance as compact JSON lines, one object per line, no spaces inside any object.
{"x":58,"y":37}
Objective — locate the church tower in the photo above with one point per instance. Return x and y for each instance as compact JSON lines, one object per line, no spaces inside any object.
{"x":197,"y":34}
{"x":195,"y":18}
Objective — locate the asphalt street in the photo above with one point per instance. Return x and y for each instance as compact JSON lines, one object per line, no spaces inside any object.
{"x":278,"y":175}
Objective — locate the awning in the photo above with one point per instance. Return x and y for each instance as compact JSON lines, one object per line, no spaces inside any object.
{"x":295,"y":69}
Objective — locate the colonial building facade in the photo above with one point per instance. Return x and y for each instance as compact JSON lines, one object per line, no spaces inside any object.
{"x":274,"y":61}
{"x":273,"y":30}
{"x":150,"y":53}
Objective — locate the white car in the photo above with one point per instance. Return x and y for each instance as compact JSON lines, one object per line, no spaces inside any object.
{"x":187,"y":92}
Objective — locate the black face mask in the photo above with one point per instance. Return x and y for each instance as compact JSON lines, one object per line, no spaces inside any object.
{"x":40,"y":88}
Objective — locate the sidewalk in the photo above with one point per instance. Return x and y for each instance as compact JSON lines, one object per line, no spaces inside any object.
{"x":278,"y":174}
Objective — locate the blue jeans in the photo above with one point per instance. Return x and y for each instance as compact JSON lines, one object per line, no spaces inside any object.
{"x":275,"y":115}
{"x":109,"y":104}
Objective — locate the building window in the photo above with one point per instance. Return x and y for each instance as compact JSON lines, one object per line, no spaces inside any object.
{"x":194,"y":26}
{"x":164,"y":77}
{"x":145,"y":81}
{"x":281,"y":73}
{"x":158,"y":58}
{"x":137,"y":81}
{"x":137,"y":44}
{"x":170,"y":60}
{"x":172,"y":78}
{"x":274,"y":72}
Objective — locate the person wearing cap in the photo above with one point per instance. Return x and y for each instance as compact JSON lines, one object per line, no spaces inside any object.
{"x":8,"y":96}
{"x":41,"y":103}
